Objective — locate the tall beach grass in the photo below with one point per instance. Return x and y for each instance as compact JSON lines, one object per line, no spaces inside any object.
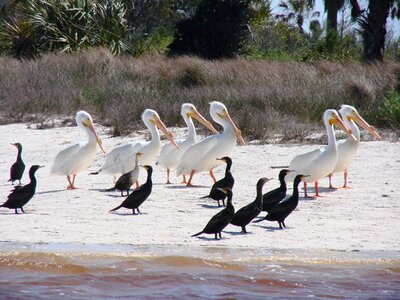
{"x":266,"y":99}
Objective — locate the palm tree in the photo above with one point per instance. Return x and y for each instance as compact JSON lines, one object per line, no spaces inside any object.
{"x":333,"y":6}
{"x":374,"y":27}
{"x":296,"y":10}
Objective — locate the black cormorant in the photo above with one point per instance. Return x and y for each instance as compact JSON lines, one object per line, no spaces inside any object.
{"x":273,"y":197}
{"x":226,"y":182}
{"x":17,"y":169}
{"x":125,"y":181}
{"x":247,"y":213}
{"x":284,"y":208}
{"x":138,"y":196}
{"x":218,"y":222}
{"x":22,"y":194}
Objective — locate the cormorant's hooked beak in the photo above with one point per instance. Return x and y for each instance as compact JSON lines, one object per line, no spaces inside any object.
{"x":225,"y":115}
{"x":89,"y":125}
{"x":335,"y":120}
{"x":196,"y":115}
{"x":360,"y":121}
{"x":160,"y":124}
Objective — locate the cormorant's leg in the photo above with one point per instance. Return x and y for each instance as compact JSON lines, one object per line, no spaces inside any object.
{"x":223,"y":202}
{"x":216,"y":237}
{"x":220,"y":236}
{"x":183,"y":179}
{"x":219,"y":205}
{"x":138,"y":210}
{"x":283,"y":223}
{"x":189,"y":183}
{"x":122,"y":193}
{"x":16,"y":211}
{"x":133,"y":211}
{"x":212,"y":175}
{"x":280,"y":225}
{"x":168,"y":182}
{"x":137,"y":183}
{"x":22,"y":209}
{"x":19,"y":181}
{"x":244,"y":229}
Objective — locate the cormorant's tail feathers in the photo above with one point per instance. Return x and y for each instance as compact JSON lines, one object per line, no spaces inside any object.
{"x":114,"y":209}
{"x":208,"y":196}
{"x":197,"y":233}
{"x":110,"y":189}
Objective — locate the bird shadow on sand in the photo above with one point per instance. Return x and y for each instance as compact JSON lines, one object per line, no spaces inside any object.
{"x":129,"y":214}
{"x":116,"y":196}
{"x":268,"y":228}
{"x":237,"y":232}
{"x":51,"y":192}
{"x":209,"y":238}
{"x":211,"y":206}
{"x":185,"y":187}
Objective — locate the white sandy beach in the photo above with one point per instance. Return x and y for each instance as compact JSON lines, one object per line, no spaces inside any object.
{"x":362,"y":218}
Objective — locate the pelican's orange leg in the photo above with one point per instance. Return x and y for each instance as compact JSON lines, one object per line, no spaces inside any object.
{"x":168,"y":182}
{"x":183,"y":179}
{"x":212,"y":175}
{"x":190,"y":178}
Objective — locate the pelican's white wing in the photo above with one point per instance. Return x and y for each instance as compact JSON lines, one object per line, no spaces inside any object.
{"x":199,"y":156}
{"x":121,"y":159}
{"x":303,"y":160}
{"x":63,"y":160}
{"x":170,"y":155}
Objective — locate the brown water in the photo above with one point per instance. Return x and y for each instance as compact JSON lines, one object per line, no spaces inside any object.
{"x":72,"y":271}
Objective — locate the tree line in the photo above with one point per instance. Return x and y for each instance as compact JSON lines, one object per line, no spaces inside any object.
{"x":210,"y":29}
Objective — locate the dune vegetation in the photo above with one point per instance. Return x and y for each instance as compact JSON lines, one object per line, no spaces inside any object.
{"x":283,"y":100}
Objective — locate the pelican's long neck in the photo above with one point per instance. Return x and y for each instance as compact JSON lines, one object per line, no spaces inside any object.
{"x":155,"y":135}
{"x":228,"y":128}
{"x":192,"y":135}
{"x":91,"y":136}
{"x":331,"y":135}
{"x":353,"y":127}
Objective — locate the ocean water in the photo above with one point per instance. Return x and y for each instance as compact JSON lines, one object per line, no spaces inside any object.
{"x":81,"y":271}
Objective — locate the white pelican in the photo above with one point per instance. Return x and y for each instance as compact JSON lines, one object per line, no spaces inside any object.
{"x":319,"y":163}
{"x":122,"y":159}
{"x":203,"y":155}
{"x":78,"y":157}
{"x":347,"y":148}
{"x":170,"y":155}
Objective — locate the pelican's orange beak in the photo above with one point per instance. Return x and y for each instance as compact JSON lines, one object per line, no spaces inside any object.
{"x":225,"y":115}
{"x":160,"y":124}
{"x":196,"y":115}
{"x":336,"y":120}
{"x":89,"y":125}
{"x":360,"y":121}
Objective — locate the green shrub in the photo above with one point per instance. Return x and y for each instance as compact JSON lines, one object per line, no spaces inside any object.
{"x":389,"y":111}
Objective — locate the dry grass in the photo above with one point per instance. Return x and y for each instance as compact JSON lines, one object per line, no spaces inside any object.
{"x":266,"y":99}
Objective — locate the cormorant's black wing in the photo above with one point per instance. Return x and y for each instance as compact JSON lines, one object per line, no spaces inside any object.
{"x":220,"y":220}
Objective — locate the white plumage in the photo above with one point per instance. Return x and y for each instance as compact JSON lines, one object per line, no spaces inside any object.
{"x":170,"y":155}
{"x":347,"y":148}
{"x":319,"y":163}
{"x":122,"y":159}
{"x":78,"y":157}
{"x":203,"y":155}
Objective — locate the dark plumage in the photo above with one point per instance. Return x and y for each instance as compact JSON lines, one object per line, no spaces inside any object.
{"x":17,"y":169}
{"x":125,"y":181}
{"x":247,"y":213}
{"x":273,"y":197}
{"x":138,"y":196}
{"x":22,"y":194}
{"x":226,"y":182}
{"x":218,"y":222}
{"x":284,"y":208}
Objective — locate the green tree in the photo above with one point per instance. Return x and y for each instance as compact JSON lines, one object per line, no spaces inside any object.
{"x":296,"y":10}
{"x":215,"y":31}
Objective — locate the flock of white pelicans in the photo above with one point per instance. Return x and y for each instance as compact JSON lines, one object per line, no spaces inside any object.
{"x":190,"y":156}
